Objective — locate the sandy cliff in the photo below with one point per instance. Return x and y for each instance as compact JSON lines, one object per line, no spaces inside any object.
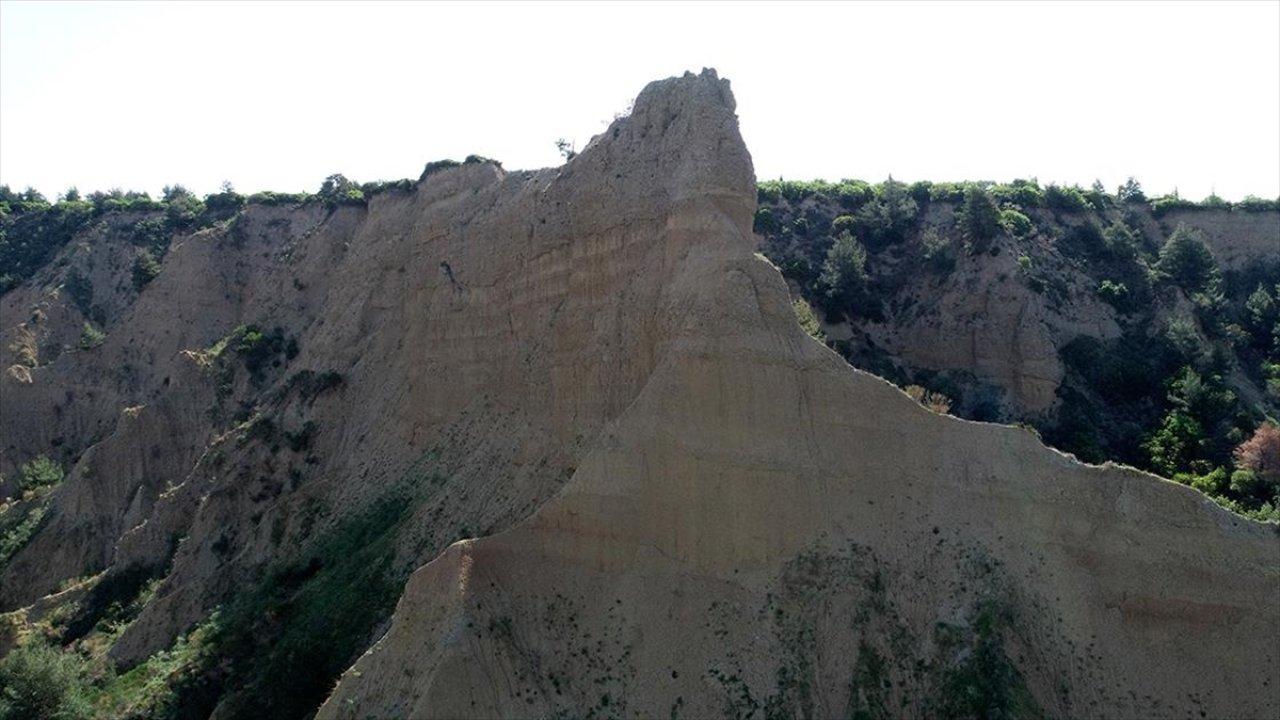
{"x":625,"y":482}
{"x":765,"y":529}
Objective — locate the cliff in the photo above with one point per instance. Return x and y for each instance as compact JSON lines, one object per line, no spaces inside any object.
{"x":576,"y":406}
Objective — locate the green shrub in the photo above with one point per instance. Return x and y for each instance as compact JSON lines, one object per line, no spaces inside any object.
{"x":1179,"y":440}
{"x":437,"y":165}
{"x":1163,"y":205}
{"x":853,"y":194}
{"x":978,"y":218}
{"x":808,"y":319}
{"x":1015,"y":223}
{"x":766,"y":222}
{"x":182,"y":208}
{"x":1085,"y":240}
{"x":1213,"y":202}
{"x":370,"y":189}
{"x":1023,"y":193}
{"x":145,"y":269}
{"x":888,"y":217}
{"x":844,"y":272}
{"x":1262,"y":313}
{"x":948,"y":192}
{"x":1120,"y":241}
{"x":273,"y":199}
{"x":1131,"y":192}
{"x":256,"y":348}
{"x":1115,"y":294}
{"x":1186,"y":260}
{"x":31,"y":233}
{"x":338,"y":190}
{"x":90,"y":336}
{"x":938,"y":251}
{"x":226,"y":202}
{"x":40,"y":472}
{"x":1065,"y":199}
{"x":39,"y":682}
{"x":1252,"y":203}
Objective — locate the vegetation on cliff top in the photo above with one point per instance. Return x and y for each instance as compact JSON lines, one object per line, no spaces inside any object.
{"x":1165,"y":396}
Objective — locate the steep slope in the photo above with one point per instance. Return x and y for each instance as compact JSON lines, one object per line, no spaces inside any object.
{"x":765,"y":531}
{"x":1067,"y":314}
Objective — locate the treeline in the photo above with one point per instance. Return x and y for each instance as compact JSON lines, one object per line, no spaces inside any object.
{"x":1025,"y":193}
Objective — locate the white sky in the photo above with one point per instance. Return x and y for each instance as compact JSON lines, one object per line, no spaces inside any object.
{"x":276,"y":97}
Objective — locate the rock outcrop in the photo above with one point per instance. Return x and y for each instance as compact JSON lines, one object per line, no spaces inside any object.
{"x":764,"y":529}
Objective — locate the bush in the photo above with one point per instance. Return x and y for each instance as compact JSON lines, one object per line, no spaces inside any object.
{"x":853,"y":194}
{"x":31,"y":233}
{"x":91,"y":337}
{"x":145,"y":269}
{"x":1015,"y":223}
{"x":1023,"y":193}
{"x":370,"y":189}
{"x":978,"y":217}
{"x":225,"y":203}
{"x":1120,"y":241}
{"x":1085,"y":240}
{"x":844,"y":272}
{"x":938,"y":251}
{"x":948,"y":192}
{"x":1162,"y":205}
{"x":273,"y":199}
{"x":1179,"y":439}
{"x":1252,"y":203}
{"x":182,"y":208}
{"x":256,"y":348}
{"x":935,"y":401}
{"x":1115,"y":294}
{"x":766,"y":223}
{"x":1186,"y":260}
{"x":1131,"y":192}
{"x":42,"y":682}
{"x":41,"y":472}
{"x":338,"y":190}
{"x":1065,"y":199}
{"x":808,"y":319}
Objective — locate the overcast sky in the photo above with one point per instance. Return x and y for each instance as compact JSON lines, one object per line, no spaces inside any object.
{"x":137,"y":96}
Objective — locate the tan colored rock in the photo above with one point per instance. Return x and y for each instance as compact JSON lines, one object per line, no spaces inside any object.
{"x":746,"y":519}
{"x":764,"y":529}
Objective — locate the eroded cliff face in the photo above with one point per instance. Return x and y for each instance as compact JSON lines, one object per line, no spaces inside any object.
{"x":684,"y":505}
{"x":765,"y":529}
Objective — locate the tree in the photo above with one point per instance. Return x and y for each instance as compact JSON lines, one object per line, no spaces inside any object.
{"x":978,"y":217}
{"x":1262,"y":316}
{"x":891,"y":214}
{"x":38,"y":473}
{"x":174,"y":192}
{"x":338,"y":190}
{"x":71,"y":195}
{"x":844,"y":272}
{"x":1186,"y":260}
{"x":1131,"y":192}
{"x":39,"y":681}
{"x":1120,"y":241}
{"x":1261,"y":453}
{"x":566,"y":149}
{"x":1176,"y":443}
